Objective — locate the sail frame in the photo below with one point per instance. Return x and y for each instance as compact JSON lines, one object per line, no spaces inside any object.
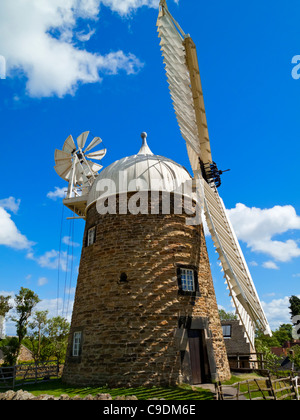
{"x":182,"y":70}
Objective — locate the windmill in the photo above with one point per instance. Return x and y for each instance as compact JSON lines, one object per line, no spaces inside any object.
{"x":182,"y":69}
{"x":74,"y":164}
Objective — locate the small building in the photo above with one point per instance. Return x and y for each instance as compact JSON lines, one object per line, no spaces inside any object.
{"x":239,"y":350}
{"x":285,"y":349}
{"x":284,"y":354}
{"x":25,"y":355}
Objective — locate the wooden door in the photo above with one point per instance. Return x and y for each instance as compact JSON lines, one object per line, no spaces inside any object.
{"x":198,"y":357}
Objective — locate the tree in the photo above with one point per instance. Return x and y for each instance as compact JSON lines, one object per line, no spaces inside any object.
{"x":295,"y":356}
{"x":11,"y":351}
{"x":227,"y":316}
{"x":279,"y":337}
{"x":5,"y":307}
{"x":36,"y":335}
{"x":25,"y":301}
{"x":58,"y":330}
{"x":294,"y":306}
{"x":262,"y":349}
{"x":283,"y":334}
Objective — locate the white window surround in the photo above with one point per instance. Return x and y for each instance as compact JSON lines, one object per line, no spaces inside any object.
{"x":91,"y":236}
{"x":76,"y":343}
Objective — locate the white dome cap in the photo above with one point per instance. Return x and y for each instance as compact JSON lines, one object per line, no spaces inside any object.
{"x":142,"y":172}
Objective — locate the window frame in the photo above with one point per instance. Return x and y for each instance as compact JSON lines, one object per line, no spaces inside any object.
{"x":187,"y":280}
{"x":230,"y":330}
{"x":91,"y":229}
{"x":181,"y":290}
{"x":77,"y":344}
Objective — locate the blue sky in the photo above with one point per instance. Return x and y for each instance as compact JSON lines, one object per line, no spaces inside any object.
{"x":76,"y":65}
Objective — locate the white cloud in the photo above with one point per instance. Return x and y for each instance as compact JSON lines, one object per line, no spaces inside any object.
{"x":52,"y":259}
{"x":253,"y":264}
{"x":9,"y":234}
{"x":5,"y":294}
{"x":270,"y":265}
{"x":277,"y":312}
{"x":85,"y":36}
{"x":49,"y":305}
{"x":9,"y":327}
{"x":58,"y":193}
{"x":10,"y":204}
{"x":65,"y":307}
{"x":205,"y":226}
{"x":38,"y":41}
{"x":257,"y":228}
{"x":67,"y":241}
{"x":124,"y":7}
{"x":42,"y":281}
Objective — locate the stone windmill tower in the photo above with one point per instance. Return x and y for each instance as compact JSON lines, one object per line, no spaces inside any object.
{"x":145,"y":310}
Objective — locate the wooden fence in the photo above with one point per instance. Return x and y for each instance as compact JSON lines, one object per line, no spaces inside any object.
{"x":18,"y":375}
{"x":262,"y":389}
{"x":249,"y":361}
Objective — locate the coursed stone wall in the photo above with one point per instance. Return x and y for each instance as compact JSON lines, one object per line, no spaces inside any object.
{"x":135,"y":332}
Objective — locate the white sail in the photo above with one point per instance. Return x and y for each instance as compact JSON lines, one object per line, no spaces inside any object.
{"x":183,"y":75}
{"x":236,"y":271}
{"x":179,"y":83}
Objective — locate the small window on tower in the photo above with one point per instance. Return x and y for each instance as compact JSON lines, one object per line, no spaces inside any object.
{"x":91,"y":236}
{"x":187,"y":280}
{"x":77,"y":343}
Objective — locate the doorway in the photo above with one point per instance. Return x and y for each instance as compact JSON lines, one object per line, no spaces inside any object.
{"x":198,"y":357}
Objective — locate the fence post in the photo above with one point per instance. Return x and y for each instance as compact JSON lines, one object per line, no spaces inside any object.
{"x":270,"y":385}
{"x":36,"y":372}
{"x":294,"y":386}
{"x":14,"y":375}
{"x":262,"y":365}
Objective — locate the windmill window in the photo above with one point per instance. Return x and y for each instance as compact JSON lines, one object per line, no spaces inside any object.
{"x":77,"y":343}
{"x":187,"y":281}
{"x":226,"y":331}
{"x":91,"y":236}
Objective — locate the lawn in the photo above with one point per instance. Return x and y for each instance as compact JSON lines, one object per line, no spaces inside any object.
{"x":241,"y":377}
{"x":281,"y":387}
{"x":182,"y":392}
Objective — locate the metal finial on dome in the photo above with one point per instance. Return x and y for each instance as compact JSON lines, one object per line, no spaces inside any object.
{"x":145,"y":150}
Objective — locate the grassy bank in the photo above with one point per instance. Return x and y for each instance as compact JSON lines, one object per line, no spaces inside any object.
{"x":183,"y":392}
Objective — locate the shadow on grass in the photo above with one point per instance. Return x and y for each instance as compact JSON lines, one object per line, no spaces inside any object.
{"x":179,"y":393}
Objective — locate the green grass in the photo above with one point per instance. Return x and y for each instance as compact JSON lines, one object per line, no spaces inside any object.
{"x":183,"y":392}
{"x":244,"y":388}
{"x":240,"y":378}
